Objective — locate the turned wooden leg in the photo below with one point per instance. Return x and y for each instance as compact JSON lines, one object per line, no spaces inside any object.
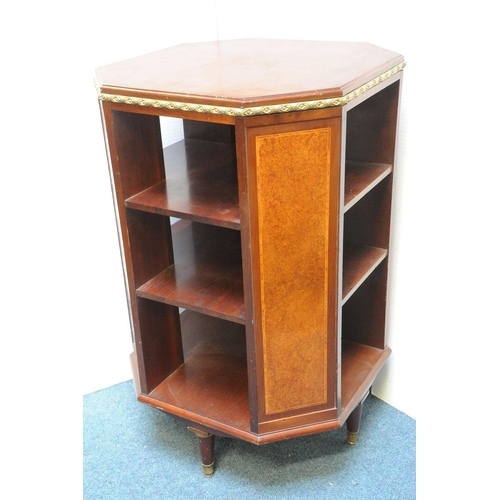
{"x":353,"y":422}
{"x":206,"y":443}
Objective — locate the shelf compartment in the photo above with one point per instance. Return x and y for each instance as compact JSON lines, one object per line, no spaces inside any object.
{"x":211,"y":386}
{"x":201,"y":185}
{"x":360,"y":178}
{"x":360,"y":365}
{"x":359,"y":262}
{"x":364,"y":315}
{"x":206,"y":275}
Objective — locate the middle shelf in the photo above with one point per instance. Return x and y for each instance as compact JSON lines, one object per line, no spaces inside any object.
{"x":207,"y":275}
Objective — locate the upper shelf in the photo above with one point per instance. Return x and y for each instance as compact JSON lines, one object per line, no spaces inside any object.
{"x":360,"y":178}
{"x":201,"y":185}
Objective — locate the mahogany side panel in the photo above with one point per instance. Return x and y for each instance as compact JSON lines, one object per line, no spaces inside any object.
{"x":136,"y":163}
{"x":160,"y":343}
{"x":246,"y":254}
{"x":207,"y":131}
{"x":135,"y":150}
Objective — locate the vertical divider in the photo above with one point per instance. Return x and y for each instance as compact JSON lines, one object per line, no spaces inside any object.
{"x":136,"y":161}
{"x":293,"y":187}
{"x":246,"y":244}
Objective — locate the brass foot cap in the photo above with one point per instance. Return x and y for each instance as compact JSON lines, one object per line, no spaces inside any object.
{"x":352,"y":437}
{"x":208,"y":470}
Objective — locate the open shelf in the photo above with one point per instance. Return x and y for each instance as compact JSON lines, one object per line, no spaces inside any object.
{"x":201,"y":184}
{"x":359,"y":263}
{"x":360,"y":364}
{"x":211,"y":386}
{"x":360,"y":178}
{"x":363,"y":315}
{"x":207,"y":273}
{"x":212,"y":382}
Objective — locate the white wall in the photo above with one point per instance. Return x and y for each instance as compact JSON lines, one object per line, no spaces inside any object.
{"x":65,"y":324}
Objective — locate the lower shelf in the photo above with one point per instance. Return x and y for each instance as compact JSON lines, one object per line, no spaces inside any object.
{"x":360,"y":365}
{"x":211,"y":387}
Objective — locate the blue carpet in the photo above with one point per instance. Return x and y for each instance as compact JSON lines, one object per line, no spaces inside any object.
{"x":132,"y":451}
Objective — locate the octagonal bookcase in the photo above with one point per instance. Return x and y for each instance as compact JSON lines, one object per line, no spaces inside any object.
{"x":260,"y":313}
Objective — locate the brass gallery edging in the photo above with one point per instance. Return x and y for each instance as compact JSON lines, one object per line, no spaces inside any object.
{"x":256,"y":110}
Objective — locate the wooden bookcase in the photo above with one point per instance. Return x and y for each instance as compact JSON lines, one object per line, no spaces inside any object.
{"x":260,"y":314}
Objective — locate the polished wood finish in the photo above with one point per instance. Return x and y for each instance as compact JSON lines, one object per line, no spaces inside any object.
{"x":211,"y":388}
{"x":201,"y":185}
{"x":216,"y":286}
{"x":280,"y":258}
{"x":359,"y":263}
{"x":363,"y":324}
{"x":207,"y":131}
{"x":211,"y":384}
{"x":353,"y":422}
{"x":360,"y":178}
{"x":206,"y":443}
{"x":135,"y":140}
{"x":371,"y":127}
{"x":237,"y":72}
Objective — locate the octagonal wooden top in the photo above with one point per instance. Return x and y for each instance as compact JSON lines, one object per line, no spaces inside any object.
{"x":238,"y":76}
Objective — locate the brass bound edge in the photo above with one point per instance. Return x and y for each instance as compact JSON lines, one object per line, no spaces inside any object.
{"x":251,"y":111}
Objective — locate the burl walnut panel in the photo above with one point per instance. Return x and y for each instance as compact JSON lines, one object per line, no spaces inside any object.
{"x":293,"y":195}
